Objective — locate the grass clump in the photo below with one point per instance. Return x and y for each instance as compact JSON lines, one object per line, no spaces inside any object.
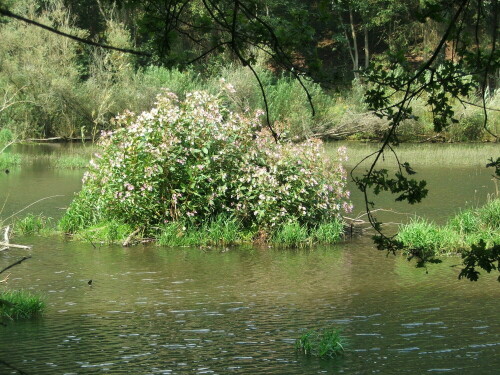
{"x":293,"y":234}
{"x":8,"y":160}
{"x":326,"y":343}
{"x":428,"y":237}
{"x":20,"y":304}
{"x":108,"y":232}
{"x":32,"y":224}
{"x":460,"y":232}
{"x":221,"y":230}
{"x":328,"y":232}
{"x":70,"y":162}
{"x":224,"y":231}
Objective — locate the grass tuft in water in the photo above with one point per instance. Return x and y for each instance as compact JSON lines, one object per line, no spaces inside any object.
{"x":326,"y":343}
{"x":108,"y":232}
{"x":70,"y":162}
{"x":32,"y":224}
{"x":20,"y":304}
{"x":428,"y":237}
{"x":291,"y":234}
{"x":221,"y":230}
{"x":329,"y":232}
{"x":8,"y":160}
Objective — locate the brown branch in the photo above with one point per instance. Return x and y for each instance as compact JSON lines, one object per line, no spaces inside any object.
{"x":131,"y":235}
{"x":8,"y":13}
{"x":16,"y":263}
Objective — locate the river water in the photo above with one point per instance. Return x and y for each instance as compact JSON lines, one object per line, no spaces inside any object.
{"x":155,"y":310}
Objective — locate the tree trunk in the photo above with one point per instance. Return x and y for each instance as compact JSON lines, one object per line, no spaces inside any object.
{"x":367,"y":49}
{"x":354,"y":45}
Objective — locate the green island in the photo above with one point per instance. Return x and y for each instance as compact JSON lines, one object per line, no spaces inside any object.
{"x":200,"y":186}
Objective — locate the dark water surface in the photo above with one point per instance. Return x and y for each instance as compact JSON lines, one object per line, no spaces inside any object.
{"x":154,"y":310}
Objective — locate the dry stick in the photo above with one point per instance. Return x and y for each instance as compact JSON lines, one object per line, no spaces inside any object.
{"x":15,"y":263}
{"x":131,"y":235}
{"x":6,"y":234}
{"x":28,"y":206}
{"x":26,"y":247}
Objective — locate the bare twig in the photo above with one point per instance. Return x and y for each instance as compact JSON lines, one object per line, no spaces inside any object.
{"x":131,"y":235}
{"x":28,"y":206}
{"x":15,"y":263}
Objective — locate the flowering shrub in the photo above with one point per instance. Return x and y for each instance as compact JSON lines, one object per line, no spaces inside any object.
{"x":194,"y":160}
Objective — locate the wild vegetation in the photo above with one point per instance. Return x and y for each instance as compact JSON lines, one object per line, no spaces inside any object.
{"x":186,"y":162}
{"x":20,"y":304}
{"x":424,"y":68}
{"x":326,"y":343}
{"x":465,"y":229}
{"x":55,"y":87}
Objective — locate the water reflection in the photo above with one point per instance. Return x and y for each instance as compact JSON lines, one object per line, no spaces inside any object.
{"x":183,"y":311}
{"x":153,"y":310}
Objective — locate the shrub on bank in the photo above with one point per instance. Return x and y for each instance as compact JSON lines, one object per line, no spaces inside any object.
{"x":192,"y":161}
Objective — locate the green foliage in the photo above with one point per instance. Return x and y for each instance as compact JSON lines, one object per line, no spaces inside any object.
{"x":495,"y":164}
{"x":326,"y":343}
{"x":221,"y":230}
{"x":8,"y":160}
{"x":462,"y":231}
{"x":38,"y":71}
{"x":105,"y":232}
{"x":193,"y":160}
{"x":32,"y":224}
{"x":428,"y":239}
{"x":482,"y":257}
{"x":20,"y":304}
{"x":291,"y":234}
{"x":329,"y":232}
{"x":6,"y":136}
{"x":79,"y":214}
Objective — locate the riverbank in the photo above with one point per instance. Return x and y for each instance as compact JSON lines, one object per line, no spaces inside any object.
{"x":469,"y":227}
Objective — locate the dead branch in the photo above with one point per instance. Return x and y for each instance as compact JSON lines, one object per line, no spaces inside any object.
{"x":15,"y":263}
{"x":131,"y":235}
{"x":28,"y":206}
{"x":7,"y":13}
{"x":6,"y":244}
{"x":6,"y":234}
{"x":4,"y":280}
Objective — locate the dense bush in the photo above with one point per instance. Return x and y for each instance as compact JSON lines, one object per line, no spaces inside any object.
{"x":194,"y":160}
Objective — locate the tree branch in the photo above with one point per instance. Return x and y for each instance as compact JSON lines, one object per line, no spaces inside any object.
{"x":8,"y":13}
